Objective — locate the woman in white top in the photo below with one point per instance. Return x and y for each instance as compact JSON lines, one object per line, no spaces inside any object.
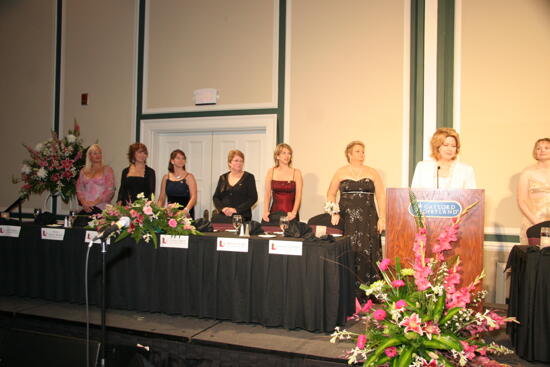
{"x":443,"y":171}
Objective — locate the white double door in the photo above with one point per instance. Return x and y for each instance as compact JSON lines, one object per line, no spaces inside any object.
{"x":206,"y":153}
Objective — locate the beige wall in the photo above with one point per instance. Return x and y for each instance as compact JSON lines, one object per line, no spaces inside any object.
{"x":346,"y":83}
{"x":229,"y":46}
{"x":505,"y":94}
{"x":26,"y":78}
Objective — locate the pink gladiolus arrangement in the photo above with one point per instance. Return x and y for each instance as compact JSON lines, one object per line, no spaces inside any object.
{"x":424,"y":318}
{"x":147,"y":219}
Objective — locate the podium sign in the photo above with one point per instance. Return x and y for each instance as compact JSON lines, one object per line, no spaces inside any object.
{"x":439,"y":207}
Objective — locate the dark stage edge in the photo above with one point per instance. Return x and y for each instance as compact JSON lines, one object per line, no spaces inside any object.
{"x":176,"y":341}
{"x":185,"y":335}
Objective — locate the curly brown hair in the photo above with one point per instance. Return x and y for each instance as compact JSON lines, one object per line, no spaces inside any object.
{"x":133,"y":148}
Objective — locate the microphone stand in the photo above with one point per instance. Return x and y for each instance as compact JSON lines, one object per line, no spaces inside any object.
{"x":437,"y":177}
{"x":103,"y":296}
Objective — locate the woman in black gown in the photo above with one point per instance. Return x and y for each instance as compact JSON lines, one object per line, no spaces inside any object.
{"x":138,"y":177}
{"x":179,"y":186}
{"x":362,"y":208}
{"x":236,"y":191}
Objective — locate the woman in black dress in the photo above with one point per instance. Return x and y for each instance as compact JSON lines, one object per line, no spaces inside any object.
{"x":137,"y":177}
{"x":359,"y":185}
{"x":179,"y":186}
{"x":236,"y":191}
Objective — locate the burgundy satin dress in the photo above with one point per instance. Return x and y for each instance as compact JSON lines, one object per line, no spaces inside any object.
{"x":284,"y":193}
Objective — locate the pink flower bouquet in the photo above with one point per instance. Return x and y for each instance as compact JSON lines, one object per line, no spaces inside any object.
{"x":424,"y":318}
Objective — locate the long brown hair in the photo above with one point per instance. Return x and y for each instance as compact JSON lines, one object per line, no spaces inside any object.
{"x":173,"y":155}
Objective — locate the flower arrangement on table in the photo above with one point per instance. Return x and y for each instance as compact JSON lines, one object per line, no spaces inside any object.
{"x":53,"y":166}
{"x":424,"y":318}
{"x":146,"y":220}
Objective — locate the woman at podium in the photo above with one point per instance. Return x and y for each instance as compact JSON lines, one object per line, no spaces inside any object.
{"x":533,"y":192}
{"x":443,"y":170}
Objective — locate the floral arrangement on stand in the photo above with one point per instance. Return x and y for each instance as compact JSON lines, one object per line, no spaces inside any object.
{"x":146,"y":220}
{"x":424,"y":318}
{"x":53,"y":166}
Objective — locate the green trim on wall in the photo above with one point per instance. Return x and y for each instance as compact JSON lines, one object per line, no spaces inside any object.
{"x":139,"y":86}
{"x":445,"y":62}
{"x":281,"y":69}
{"x":279,"y":110}
{"x":416,"y":127}
{"x":505,"y":238}
{"x":57,"y":77}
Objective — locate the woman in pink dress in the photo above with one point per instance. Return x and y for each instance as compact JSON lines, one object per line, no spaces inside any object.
{"x":95,"y":186}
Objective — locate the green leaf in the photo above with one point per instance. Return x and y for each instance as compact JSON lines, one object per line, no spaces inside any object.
{"x":439,"y":307}
{"x":450,"y":340}
{"x":405,"y":357}
{"x":122,"y":236}
{"x":391,"y":342}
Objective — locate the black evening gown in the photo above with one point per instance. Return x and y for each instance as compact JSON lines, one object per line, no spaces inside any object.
{"x":358,"y":212}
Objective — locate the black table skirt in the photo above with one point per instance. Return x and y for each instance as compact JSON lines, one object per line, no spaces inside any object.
{"x":313,"y":291}
{"x":529,"y":302}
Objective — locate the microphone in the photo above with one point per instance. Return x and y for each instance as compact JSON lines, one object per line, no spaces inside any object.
{"x":123,"y":222}
{"x":437,"y":176}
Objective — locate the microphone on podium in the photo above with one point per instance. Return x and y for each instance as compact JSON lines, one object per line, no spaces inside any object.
{"x":437,"y":176}
{"x":123,"y":222}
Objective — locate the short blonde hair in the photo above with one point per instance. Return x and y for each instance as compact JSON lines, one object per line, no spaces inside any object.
{"x":232,"y":154}
{"x":350,"y":146}
{"x":278,"y":150}
{"x":537,"y":143}
{"x":88,"y":164}
{"x":438,"y":138}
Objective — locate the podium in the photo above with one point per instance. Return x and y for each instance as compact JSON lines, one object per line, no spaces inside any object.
{"x":439,"y":207}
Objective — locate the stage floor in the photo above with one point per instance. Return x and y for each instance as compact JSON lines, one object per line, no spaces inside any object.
{"x":301,"y":347}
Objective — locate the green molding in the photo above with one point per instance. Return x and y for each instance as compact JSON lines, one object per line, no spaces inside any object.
{"x":57,"y":76}
{"x":416,"y":130}
{"x":279,"y":110}
{"x":139,"y":86}
{"x":445,"y":62}
{"x":506,"y":238}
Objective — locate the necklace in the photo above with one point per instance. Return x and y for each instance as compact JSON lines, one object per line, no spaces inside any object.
{"x":354,"y":174}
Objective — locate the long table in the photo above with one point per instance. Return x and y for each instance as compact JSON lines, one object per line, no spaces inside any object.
{"x":529,"y":302}
{"x":312,"y":292}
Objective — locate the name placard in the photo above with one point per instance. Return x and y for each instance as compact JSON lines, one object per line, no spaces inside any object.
{"x":90,"y":235}
{"x":232,"y":244}
{"x":55,"y":234}
{"x":277,"y":247}
{"x":174,"y":241}
{"x":10,"y":231}
{"x":438,"y":208}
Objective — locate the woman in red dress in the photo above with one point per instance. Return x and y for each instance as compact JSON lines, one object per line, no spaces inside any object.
{"x":283,"y":185}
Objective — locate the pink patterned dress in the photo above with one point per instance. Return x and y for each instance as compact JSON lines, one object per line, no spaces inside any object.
{"x":102,"y":187}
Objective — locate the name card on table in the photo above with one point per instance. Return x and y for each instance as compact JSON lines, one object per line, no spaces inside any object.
{"x":55,"y":234}
{"x":90,"y":235}
{"x":278,"y":247}
{"x":10,"y":231}
{"x":174,"y":241}
{"x":232,"y":244}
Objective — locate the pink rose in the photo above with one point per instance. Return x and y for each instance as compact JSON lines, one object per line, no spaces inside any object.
{"x":391,"y":352}
{"x":173,"y":223}
{"x":397,"y":283}
{"x":361,"y":341}
{"x":384,"y":264}
{"x":147,"y":210}
{"x":379,"y":315}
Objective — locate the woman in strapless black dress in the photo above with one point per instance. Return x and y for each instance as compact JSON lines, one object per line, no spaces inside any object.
{"x":362,"y":209}
{"x":179,"y":186}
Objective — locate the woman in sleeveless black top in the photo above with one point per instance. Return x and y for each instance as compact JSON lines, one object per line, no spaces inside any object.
{"x":136,"y":178}
{"x":179,"y":186}
{"x":362,"y":209}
